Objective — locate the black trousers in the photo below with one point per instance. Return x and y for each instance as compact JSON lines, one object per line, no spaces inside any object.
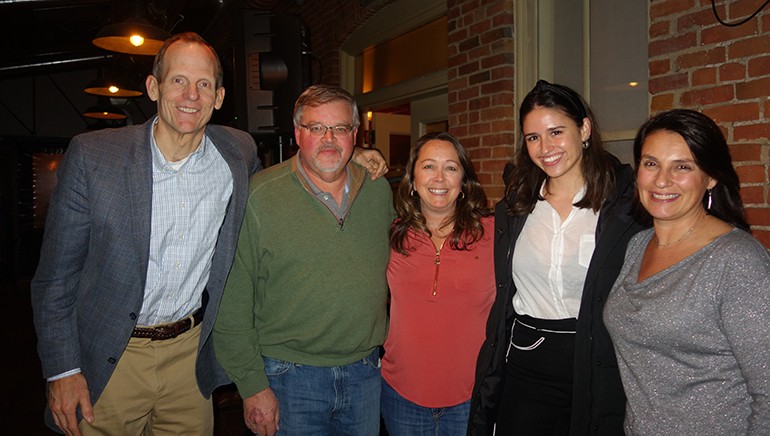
{"x":537,"y":398}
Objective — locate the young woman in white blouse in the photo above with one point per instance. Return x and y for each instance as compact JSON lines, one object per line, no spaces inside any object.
{"x":547,"y":366}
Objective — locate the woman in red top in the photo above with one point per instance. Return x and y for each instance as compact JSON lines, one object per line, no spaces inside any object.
{"x":441,"y":278}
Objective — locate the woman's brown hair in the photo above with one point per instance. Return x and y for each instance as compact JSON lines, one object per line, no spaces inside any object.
{"x":471,"y":204}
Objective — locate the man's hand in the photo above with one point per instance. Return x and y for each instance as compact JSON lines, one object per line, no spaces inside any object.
{"x":64,"y":397}
{"x":372,"y":160}
{"x":261,"y":413}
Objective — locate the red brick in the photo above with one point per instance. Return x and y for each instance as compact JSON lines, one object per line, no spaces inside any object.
{"x":719,"y":34}
{"x":704,"y":76}
{"x":504,"y":99}
{"x":479,"y":129}
{"x":762,"y":235}
{"x":494,"y":193}
{"x":457,"y":107}
{"x":469,"y":68}
{"x":479,"y":153}
{"x":505,"y":151}
{"x":496,"y":60}
{"x":469,"y":43}
{"x":746,"y":152}
{"x":502,"y":125}
{"x":668,"y":83}
{"x":484,"y":179}
{"x":758,"y":88}
{"x":759,"y":66}
{"x":670,"y":45}
{"x":711,"y":56}
{"x":699,"y":19}
{"x":459,"y":130}
{"x":496,"y":140}
{"x":669,"y":7}
{"x":753,"y":194}
{"x":468,"y":93}
{"x":662,"y":102}
{"x":733,"y":112}
{"x":479,"y":103}
{"x":732,"y":71}
{"x":740,"y":10}
{"x":503,"y":20}
{"x":748,"y":47}
{"x":461,"y":34}
{"x":758,"y":216}
{"x":472,"y":142}
{"x":661,"y":28}
{"x":505,"y":71}
{"x":474,"y":117}
{"x":494,"y":166}
{"x":707,"y":96}
{"x":480,"y":28}
{"x":659,"y":67}
{"x":479,"y":78}
{"x":497,"y":86}
{"x":752,"y":173}
{"x":751,"y":131}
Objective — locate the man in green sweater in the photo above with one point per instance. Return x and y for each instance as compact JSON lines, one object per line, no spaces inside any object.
{"x":304,"y":307}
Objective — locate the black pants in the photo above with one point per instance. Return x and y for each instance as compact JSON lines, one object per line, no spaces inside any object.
{"x":537,"y":398}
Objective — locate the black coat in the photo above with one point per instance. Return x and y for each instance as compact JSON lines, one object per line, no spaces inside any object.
{"x":598,"y":400}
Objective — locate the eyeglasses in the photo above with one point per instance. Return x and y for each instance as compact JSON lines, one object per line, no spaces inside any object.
{"x":320,"y":130}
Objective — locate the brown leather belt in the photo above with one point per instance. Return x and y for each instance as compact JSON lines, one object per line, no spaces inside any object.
{"x":169,"y":331}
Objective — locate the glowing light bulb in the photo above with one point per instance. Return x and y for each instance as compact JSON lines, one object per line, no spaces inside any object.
{"x":633,"y":84}
{"x":113,"y":89}
{"x":136,"y":40}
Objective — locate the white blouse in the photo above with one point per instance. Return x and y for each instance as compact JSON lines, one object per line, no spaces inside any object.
{"x":550,"y":261}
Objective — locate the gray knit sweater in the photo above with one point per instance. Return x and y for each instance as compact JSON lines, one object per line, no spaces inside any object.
{"x":692,"y":341}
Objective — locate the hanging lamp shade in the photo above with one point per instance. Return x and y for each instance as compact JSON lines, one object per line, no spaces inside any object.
{"x":112,"y":87}
{"x":105,"y":112}
{"x":134,"y":36}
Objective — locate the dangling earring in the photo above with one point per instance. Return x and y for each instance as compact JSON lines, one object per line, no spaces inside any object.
{"x":585,"y":145}
{"x":462,"y":196}
{"x":413,"y":193}
{"x":708,"y":206}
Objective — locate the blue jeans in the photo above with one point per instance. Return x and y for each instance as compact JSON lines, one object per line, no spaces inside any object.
{"x":338,"y":400}
{"x":405,"y":418}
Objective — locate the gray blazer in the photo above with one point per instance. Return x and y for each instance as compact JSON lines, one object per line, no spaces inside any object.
{"x":87,"y":291}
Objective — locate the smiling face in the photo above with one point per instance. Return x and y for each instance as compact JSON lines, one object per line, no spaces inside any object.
{"x":554,"y":142}
{"x":187,"y":94}
{"x":325,"y":157}
{"x":671,"y":185}
{"x":438,"y":178}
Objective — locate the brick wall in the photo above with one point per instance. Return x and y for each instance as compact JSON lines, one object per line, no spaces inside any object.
{"x":724,"y":72}
{"x":481,"y":85}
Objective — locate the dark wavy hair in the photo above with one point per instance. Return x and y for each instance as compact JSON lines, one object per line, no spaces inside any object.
{"x":190,"y":38}
{"x":470,"y":207}
{"x":709,"y":149}
{"x":522,"y":190}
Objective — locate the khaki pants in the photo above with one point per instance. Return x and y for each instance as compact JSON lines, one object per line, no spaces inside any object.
{"x":153,"y":391}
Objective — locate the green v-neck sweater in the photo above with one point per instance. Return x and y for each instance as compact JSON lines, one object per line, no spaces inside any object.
{"x":304,"y":287}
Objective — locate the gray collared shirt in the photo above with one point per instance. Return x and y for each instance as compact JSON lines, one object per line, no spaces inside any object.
{"x":339,"y":210}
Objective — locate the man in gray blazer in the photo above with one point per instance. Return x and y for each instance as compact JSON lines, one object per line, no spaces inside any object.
{"x":138,"y":243}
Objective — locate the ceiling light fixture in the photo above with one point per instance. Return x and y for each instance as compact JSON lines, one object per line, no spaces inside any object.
{"x":135,"y":35}
{"x":105,"y":110}
{"x":115,"y":87}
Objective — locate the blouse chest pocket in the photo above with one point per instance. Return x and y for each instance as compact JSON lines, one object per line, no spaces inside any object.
{"x":586,"y":249}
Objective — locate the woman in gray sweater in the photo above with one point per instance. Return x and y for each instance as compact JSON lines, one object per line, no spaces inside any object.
{"x":689,"y":312}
